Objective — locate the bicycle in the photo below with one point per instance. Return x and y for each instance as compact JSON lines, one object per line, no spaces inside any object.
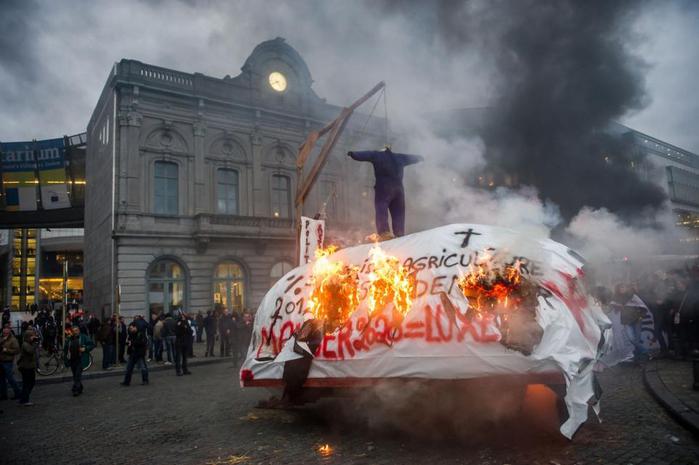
{"x":51,"y":360}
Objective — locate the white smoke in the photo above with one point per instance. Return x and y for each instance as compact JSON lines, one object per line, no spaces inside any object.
{"x":601,"y":236}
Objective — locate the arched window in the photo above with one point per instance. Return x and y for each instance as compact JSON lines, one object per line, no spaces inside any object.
{"x":229,"y":287}
{"x":227,"y":191}
{"x":165,"y":187}
{"x":167,"y":284}
{"x":281,"y":196}
{"x":278,"y":270}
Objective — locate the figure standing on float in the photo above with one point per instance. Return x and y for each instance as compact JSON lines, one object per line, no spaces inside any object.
{"x":389,"y":195}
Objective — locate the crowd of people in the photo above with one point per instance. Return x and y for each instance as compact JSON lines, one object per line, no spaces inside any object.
{"x":166,"y":339}
{"x":657,"y":315}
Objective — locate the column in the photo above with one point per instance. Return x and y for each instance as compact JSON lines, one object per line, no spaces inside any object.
{"x":201,"y":193}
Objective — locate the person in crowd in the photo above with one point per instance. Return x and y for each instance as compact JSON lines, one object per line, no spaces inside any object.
{"x":27,"y":365}
{"x":242,"y":339}
{"x":192,"y":328}
{"x":158,"y":338}
{"x":76,"y":355}
{"x":141,"y":324}
{"x":236,"y":323}
{"x":169,"y":337}
{"x":122,"y":340}
{"x":630,"y":316}
{"x":137,"y":346}
{"x":49,"y":333}
{"x":183,"y":341}
{"x":225,"y":330}
{"x":680,"y":319}
{"x":6,"y":316}
{"x":662,"y":314}
{"x":93,"y":326}
{"x":210,"y":328}
{"x":25,"y":325}
{"x":107,"y":337}
{"x":692,"y":304}
{"x":41,"y":317}
{"x":9,"y":348}
{"x":144,"y":327}
{"x":200,"y":326}
{"x":151,"y":340}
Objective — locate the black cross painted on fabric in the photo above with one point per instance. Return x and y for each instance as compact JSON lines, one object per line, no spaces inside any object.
{"x":467,"y":236}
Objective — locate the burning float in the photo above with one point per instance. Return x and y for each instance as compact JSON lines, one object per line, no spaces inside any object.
{"x":455,"y":303}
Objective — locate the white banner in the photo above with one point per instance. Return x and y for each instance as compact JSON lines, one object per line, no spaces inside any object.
{"x":432,"y":341}
{"x":312,"y":238}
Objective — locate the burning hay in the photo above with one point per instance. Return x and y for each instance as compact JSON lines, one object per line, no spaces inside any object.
{"x":501,"y":292}
{"x":390,"y":282}
{"x":335,"y":293}
{"x":335,"y":288}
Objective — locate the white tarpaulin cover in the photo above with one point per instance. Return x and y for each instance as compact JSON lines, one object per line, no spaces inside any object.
{"x":432,"y":345}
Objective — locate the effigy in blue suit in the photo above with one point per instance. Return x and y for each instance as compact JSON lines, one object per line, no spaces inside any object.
{"x":388,"y":190}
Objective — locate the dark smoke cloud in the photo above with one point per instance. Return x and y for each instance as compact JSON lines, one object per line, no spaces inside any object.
{"x":562,"y":72}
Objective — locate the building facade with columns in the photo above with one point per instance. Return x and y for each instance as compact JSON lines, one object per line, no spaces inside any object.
{"x":191,"y":182}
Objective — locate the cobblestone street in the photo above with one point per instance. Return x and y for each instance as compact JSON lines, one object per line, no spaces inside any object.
{"x":207,"y":419}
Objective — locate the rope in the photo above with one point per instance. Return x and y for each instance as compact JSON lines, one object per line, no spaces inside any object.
{"x":385,"y":115}
{"x":366,"y":123}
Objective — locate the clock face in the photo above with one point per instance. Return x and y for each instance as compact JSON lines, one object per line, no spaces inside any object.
{"x":277,"y":81}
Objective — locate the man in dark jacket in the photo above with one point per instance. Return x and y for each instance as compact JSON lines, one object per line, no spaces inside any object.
{"x":183,"y":342}
{"x":76,"y":355}
{"x":122,"y":339}
{"x":93,"y":326}
{"x":107,"y":337}
{"x":242,"y":339}
{"x":27,"y":365}
{"x":137,"y":345}
{"x":169,"y":336}
{"x":9,"y":348}
{"x":388,"y":190}
{"x":225,"y":332}
{"x":141,"y":324}
{"x":210,"y":328}
{"x":199,"y":320}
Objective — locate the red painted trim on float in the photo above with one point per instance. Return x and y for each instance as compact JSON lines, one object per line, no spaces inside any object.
{"x":533,"y":378}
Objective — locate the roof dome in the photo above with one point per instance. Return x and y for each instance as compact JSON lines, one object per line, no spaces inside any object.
{"x":277,"y":50}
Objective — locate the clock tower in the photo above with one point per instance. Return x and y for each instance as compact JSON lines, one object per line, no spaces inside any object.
{"x":278,"y":75}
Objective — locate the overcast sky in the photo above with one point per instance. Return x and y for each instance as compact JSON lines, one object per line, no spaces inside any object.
{"x":55,"y":57}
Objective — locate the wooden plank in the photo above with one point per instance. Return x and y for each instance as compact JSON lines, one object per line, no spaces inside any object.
{"x":322,"y":157}
{"x":306,"y":148}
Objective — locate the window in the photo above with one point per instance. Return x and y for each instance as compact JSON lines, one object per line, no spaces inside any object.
{"x":166,"y":287}
{"x":227,"y":191}
{"x":328,"y":197}
{"x":281,"y":196}
{"x":165,"y":188}
{"x":683,"y":184}
{"x":229,"y":287}
{"x":278,"y":270}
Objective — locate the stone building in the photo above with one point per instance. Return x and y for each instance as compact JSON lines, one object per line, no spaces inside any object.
{"x":191,"y":182}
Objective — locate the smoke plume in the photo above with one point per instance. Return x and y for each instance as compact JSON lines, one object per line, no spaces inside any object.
{"x":562,"y":72}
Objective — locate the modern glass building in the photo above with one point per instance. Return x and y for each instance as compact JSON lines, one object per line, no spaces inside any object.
{"x":41,"y":267}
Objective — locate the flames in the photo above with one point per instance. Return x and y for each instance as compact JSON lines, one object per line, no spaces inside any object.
{"x":389,"y":281}
{"x":335,"y":293}
{"x":499,"y":291}
{"x":335,"y":287}
{"x":325,"y":450}
{"x":489,"y":287}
